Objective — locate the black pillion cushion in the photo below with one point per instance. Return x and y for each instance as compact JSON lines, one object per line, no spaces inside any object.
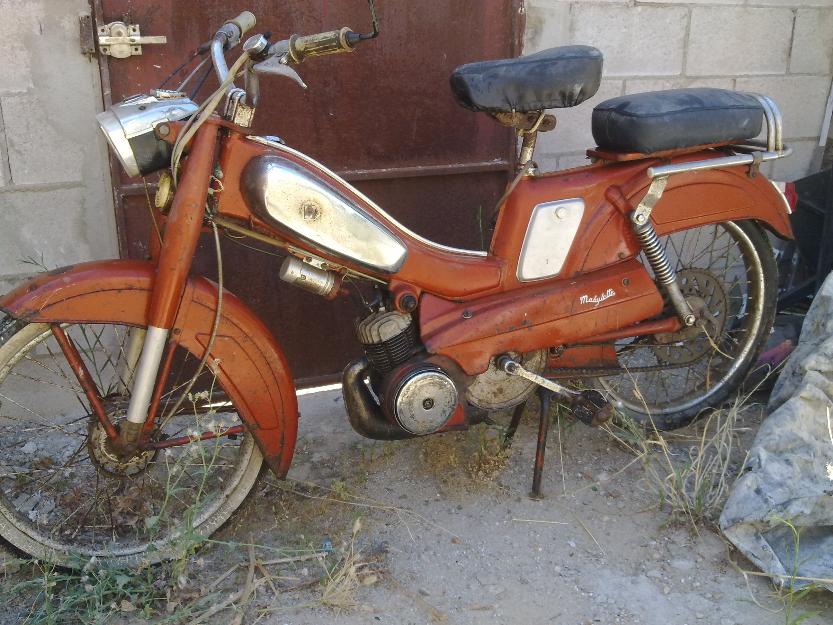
{"x":678,"y":118}
{"x":554,"y":78}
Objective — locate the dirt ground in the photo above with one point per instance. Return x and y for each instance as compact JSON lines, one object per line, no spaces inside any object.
{"x":595,"y":550}
{"x":454,"y":537}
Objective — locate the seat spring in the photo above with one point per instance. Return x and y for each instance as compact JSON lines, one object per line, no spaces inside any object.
{"x":655,"y":253}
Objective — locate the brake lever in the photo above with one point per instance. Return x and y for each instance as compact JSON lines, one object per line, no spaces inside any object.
{"x":277,"y":65}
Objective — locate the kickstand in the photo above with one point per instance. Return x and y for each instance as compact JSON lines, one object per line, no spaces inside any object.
{"x":509,"y":436}
{"x":543,"y":427}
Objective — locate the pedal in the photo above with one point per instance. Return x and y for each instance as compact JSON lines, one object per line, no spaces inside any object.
{"x":590,"y":407}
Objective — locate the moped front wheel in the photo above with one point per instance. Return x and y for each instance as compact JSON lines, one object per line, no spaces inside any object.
{"x":67,"y":495}
{"x":727,"y":272}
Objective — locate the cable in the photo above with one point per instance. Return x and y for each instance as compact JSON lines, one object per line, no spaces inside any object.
{"x":178,"y":69}
{"x":205,"y":110}
{"x":201,"y":82}
{"x":188,"y":78}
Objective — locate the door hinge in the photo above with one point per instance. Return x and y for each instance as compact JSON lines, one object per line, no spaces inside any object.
{"x":121,"y":40}
{"x":87,"y":34}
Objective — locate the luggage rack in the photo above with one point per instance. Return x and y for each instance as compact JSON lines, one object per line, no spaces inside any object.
{"x":752,"y":152}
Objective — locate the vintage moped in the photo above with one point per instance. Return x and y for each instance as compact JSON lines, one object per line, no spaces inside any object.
{"x":138,"y":402}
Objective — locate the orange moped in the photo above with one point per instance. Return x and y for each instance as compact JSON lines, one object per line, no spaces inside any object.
{"x":138,"y":402}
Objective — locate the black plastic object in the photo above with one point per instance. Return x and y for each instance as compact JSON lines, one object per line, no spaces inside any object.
{"x":812,"y":222}
{"x":673,"y":119}
{"x":555,"y":78}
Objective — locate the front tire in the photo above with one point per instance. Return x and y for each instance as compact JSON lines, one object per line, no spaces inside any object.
{"x":729,"y":270}
{"x":65,"y":499}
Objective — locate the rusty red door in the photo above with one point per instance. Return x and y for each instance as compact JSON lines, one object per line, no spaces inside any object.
{"x":383,"y":117}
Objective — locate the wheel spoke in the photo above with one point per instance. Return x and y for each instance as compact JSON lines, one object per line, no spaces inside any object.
{"x":64,"y":481}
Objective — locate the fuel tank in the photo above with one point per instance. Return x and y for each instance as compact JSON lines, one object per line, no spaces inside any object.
{"x":291,"y":199}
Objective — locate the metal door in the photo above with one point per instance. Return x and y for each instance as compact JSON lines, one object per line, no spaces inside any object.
{"x":383,"y":117}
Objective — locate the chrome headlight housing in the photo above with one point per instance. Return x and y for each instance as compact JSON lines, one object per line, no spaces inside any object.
{"x":128,"y":127}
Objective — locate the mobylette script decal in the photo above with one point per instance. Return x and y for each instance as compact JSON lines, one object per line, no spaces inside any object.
{"x":596,"y":299}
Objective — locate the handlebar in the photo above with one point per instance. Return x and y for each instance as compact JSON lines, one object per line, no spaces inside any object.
{"x":320,"y":44}
{"x":227,"y":37}
{"x":244,"y":22}
{"x":293,"y":50}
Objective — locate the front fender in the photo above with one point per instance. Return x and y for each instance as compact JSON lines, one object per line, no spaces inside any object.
{"x":249,"y":364}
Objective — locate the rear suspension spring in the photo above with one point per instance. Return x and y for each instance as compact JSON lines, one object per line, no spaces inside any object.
{"x":655,"y":253}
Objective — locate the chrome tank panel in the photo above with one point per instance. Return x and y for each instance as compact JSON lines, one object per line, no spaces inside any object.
{"x":287,"y":195}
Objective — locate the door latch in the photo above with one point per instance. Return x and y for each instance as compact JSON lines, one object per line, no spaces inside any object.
{"x":121,"y":40}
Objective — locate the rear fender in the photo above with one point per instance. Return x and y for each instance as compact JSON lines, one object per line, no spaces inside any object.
{"x":248,"y":362}
{"x":701,"y":198}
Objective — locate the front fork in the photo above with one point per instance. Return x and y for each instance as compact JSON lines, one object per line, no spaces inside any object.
{"x":176,"y":254}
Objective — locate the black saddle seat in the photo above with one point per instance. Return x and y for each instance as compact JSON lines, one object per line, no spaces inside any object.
{"x":674,"y":119}
{"x":554,"y":78}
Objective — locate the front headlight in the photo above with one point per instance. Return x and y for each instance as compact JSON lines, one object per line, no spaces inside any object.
{"x":128,"y":127}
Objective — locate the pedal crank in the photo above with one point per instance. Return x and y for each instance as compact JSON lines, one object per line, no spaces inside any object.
{"x":588,"y":406}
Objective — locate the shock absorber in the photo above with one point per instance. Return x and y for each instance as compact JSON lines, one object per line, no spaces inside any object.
{"x":655,"y":252}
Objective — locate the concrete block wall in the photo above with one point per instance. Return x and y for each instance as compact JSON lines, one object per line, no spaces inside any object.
{"x":782,"y":48}
{"x":56,"y":203}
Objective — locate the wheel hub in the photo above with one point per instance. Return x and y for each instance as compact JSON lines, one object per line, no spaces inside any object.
{"x":708,"y":300}
{"x":107,"y":458}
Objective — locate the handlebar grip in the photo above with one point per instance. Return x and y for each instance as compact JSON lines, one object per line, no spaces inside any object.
{"x":331,"y":42}
{"x":245,"y":22}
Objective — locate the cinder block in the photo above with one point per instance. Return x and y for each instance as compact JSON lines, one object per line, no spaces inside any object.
{"x":38,"y":151}
{"x":801,"y":100}
{"x":635,"y":41}
{"x":568,"y":161}
{"x":19,"y":23}
{"x":805,"y":160}
{"x":572,"y":134}
{"x":733,"y":40}
{"x":812,"y":50}
{"x":546,"y":162}
{"x":547,"y":25}
{"x":61,"y":225}
{"x":660,"y":84}
{"x":692,"y":1}
{"x":4,"y":159}
{"x":795,"y":3}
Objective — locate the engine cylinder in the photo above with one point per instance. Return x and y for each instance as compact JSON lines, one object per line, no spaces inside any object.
{"x":388,"y":338}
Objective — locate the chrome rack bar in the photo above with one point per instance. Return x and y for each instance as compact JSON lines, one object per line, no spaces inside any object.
{"x":717,"y":163}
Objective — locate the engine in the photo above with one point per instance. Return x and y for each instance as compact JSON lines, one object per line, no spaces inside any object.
{"x":388,"y":338}
{"x":418,"y":395}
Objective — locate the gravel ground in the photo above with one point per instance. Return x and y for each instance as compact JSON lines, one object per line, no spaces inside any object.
{"x":455,"y":538}
{"x":595,"y":550}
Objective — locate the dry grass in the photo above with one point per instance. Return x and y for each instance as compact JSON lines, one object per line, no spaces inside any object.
{"x":691,"y":473}
{"x":351,"y":573}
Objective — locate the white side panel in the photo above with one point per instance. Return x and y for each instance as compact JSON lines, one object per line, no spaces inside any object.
{"x":549,"y":236}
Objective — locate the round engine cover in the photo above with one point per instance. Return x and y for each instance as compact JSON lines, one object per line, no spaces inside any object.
{"x":424,"y":401}
{"x":495,"y":389}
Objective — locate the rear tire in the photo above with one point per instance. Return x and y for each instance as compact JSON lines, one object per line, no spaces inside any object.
{"x":730,"y":268}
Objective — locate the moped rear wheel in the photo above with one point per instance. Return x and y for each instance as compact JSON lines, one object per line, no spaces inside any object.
{"x":66,"y":496}
{"x":728,"y":273}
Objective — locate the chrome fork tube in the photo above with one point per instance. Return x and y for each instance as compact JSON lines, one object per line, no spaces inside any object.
{"x":144,"y":379}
